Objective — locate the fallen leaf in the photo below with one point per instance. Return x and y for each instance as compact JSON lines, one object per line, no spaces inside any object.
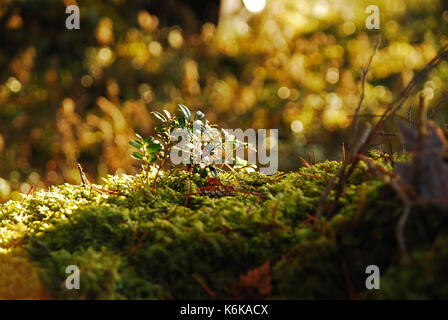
{"x":256,"y":284}
{"x":427,"y":171}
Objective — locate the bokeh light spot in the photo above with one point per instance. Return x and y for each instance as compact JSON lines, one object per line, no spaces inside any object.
{"x":254,"y":5}
{"x":348,"y":27}
{"x":297,"y":126}
{"x":175,"y":39}
{"x":155,"y":48}
{"x":321,"y":9}
{"x":86,"y":81}
{"x":332,"y":75}
{"x":283,"y":92}
{"x":14,"y":85}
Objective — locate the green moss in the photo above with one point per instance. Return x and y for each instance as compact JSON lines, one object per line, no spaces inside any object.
{"x":144,"y":245}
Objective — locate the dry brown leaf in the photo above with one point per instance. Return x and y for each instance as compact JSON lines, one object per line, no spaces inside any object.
{"x":256,"y":284}
{"x":427,"y":171}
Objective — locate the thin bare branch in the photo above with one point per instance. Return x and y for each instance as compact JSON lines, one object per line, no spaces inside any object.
{"x":305,"y":163}
{"x":365,"y":71}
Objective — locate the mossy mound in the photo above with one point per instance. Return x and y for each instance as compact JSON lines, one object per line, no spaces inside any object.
{"x":144,"y":245}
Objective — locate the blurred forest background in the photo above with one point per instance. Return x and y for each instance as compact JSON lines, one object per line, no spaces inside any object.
{"x":295,"y":65}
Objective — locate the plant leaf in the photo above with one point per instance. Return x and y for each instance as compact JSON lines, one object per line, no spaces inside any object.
{"x":136,"y":144}
{"x":159,"y":116}
{"x":137,"y":155}
{"x":161,"y":129}
{"x":168,"y":115}
{"x":199,"y":115}
{"x":213,"y":171}
{"x":149,"y":140}
{"x":154,"y":148}
{"x":203,"y":173}
{"x":181,"y":120}
{"x":185,"y":111}
{"x":152,"y":158}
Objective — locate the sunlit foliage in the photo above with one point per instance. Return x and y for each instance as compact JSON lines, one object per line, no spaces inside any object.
{"x":294,"y":65}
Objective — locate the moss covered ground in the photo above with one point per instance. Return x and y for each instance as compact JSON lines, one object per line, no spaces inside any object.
{"x":258,"y":244}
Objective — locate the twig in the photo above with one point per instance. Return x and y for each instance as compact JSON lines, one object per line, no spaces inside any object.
{"x":41,"y":244}
{"x":409,"y":123}
{"x":397,"y":186}
{"x":229,"y":167}
{"x":348,"y":280}
{"x":30,"y":193}
{"x":158,"y":170}
{"x":396,"y":104}
{"x":330,"y":186}
{"x":210,"y":292}
{"x":86,"y":182}
{"x":169,"y":175}
{"x":305,"y":163}
{"x":421,"y":121}
{"x":391,"y":110}
{"x":369,"y":115}
{"x":439,"y":103}
{"x":279,"y":177}
{"x":365,"y":71}
{"x":340,"y":173}
{"x":252,"y":205}
{"x":362,"y":141}
{"x":188,"y":190}
{"x":399,"y":232}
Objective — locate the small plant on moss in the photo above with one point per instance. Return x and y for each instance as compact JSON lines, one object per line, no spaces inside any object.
{"x":202,"y":145}
{"x":244,"y":166}
{"x":148,"y":149}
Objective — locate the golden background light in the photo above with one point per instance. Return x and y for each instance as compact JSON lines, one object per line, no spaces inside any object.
{"x":289,"y":64}
{"x":297,"y":126}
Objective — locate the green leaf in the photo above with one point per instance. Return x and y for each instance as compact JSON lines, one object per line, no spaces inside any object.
{"x":239,"y":161}
{"x":213,"y":171}
{"x":167,"y":114}
{"x":149,"y":140}
{"x":159,"y":116}
{"x":136,"y":144}
{"x":181,"y":120}
{"x":161,"y":129}
{"x":199,"y":115}
{"x":152,"y":158}
{"x":137,"y":155}
{"x":154,"y":148}
{"x":185,"y":111}
{"x":203,"y":173}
